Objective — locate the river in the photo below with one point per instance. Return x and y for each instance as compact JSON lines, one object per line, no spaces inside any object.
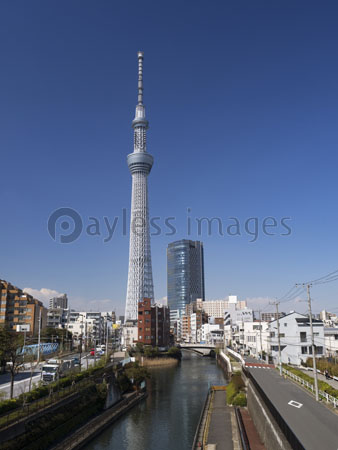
{"x":168,"y":418}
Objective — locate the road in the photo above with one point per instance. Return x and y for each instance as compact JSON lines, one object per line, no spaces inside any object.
{"x":314,"y":424}
{"x":22,"y":379}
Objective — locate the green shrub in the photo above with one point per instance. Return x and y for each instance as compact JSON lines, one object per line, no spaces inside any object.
{"x":174,"y":352}
{"x":239,"y":399}
{"x":234,"y":388}
{"x":231,"y":393}
{"x":321,"y":384}
{"x":8,"y":405}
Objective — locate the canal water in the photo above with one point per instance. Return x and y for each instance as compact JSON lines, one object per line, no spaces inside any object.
{"x":168,"y":418}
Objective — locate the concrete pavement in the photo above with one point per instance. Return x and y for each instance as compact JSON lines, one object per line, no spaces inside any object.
{"x":321,"y":377}
{"x":220,"y":430}
{"x":315,"y":426}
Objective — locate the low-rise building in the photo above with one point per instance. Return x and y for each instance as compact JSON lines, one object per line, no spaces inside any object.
{"x":153,"y":324}
{"x":57,"y":317}
{"x":268,"y":316}
{"x":129,"y":336}
{"x":331,"y":342}
{"x":295,"y":338}
{"x":256,"y":337}
{"x":20,"y":311}
{"x":88,"y":326}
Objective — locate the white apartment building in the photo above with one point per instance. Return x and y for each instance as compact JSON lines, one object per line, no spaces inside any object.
{"x":295,"y":338}
{"x":193,"y":327}
{"x":234,"y":320}
{"x":129,"y":335}
{"x":254,"y":333}
{"x":91,"y":325}
{"x":331,"y":342}
{"x":206,"y":330}
{"x":216,"y":308}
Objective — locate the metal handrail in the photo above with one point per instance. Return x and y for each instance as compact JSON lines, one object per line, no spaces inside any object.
{"x":329,"y":398}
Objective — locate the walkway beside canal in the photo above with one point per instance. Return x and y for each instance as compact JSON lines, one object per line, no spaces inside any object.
{"x":215,"y":428}
{"x":219,"y":430}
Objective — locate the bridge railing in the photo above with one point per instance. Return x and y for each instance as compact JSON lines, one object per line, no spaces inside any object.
{"x":329,"y":398}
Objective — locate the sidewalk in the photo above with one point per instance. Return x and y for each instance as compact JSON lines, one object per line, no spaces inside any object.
{"x":321,"y":377}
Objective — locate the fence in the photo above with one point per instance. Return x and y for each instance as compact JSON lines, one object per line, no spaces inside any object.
{"x":15,"y":415}
{"x":329,"y":398}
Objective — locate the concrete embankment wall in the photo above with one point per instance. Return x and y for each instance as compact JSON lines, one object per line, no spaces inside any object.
{"x":265,"y":419}
{"x":95,"y":426}
{"x":158,"y":362}
{"x":224,"y":361}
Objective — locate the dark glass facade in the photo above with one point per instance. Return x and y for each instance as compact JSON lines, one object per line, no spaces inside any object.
{"x":185,"y":273}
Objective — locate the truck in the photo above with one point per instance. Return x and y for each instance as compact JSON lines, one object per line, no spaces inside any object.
{"x":54,"y":369}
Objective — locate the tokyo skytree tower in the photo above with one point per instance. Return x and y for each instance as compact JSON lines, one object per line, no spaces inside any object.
{"x":140,"y":275}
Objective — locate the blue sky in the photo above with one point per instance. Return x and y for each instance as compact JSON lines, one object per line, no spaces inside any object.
{"x":242,"y":103}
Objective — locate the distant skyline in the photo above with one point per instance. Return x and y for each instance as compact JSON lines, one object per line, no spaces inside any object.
{"x":242,"y":101}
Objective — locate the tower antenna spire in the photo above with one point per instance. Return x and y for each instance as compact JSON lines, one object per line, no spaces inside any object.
{"x":140,"y":78}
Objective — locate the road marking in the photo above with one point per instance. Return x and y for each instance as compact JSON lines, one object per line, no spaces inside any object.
{"x":295,"y":404}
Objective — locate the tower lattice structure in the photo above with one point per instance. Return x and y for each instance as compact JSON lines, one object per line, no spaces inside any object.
{"x":140,"y":275}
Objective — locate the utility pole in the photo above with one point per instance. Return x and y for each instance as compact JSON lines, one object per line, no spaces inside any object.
{"x":278,"y":333}
{"x":260,"y":333}
{"x":39,"y":335}
{"x":308,"y":285}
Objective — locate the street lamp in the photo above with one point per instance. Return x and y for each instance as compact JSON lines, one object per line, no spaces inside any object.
{"x":81,"y":336}
{"x":108,"y":317}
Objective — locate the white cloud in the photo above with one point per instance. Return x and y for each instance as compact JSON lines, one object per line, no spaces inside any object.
{"x":162,"y":301}
{"x":258,"y":302}
{"x":44,"y":294}
{"x":77,"y":303}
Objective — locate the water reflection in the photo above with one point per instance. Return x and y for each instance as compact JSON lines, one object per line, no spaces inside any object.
{"x":168,"y":417}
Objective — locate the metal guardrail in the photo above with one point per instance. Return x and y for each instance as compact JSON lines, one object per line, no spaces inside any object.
{"x":242,"y":433}
{"x":205,"y":405}
{"x":329,"y":398}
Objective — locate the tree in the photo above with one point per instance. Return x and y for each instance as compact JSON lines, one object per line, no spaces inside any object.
{"x":11,"y":344}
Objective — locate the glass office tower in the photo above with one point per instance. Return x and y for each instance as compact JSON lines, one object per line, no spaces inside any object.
{"x":185,"y":273}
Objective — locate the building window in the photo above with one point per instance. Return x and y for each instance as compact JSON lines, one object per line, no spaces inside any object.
{"x":303,"y":336}
{"x":272,"y":334}
{"x":285,"y":324}
{"x":304,"y":350}
{"x":319,"y":350}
